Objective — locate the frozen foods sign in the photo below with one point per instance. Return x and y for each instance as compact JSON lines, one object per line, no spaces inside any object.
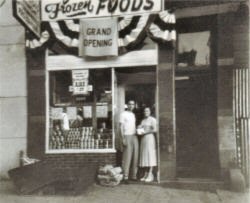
{"x":53,"y":10}
{"x":98,"y":37}
{"x":28,"y":13}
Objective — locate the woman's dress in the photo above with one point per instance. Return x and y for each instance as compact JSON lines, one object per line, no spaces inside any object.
{"x":148,"y":144}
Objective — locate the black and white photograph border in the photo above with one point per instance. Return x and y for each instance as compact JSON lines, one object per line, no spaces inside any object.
{"x":124,"y":101}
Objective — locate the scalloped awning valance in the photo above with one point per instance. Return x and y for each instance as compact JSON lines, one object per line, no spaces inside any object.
{"x":132,"y":32}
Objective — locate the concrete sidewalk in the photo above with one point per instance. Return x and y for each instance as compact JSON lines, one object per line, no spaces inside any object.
{"x":126,"y":193}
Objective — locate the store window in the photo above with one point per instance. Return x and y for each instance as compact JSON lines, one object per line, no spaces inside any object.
{"x":80,"y":110}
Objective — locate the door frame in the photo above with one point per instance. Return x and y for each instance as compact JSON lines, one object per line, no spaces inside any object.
{"x":156,"y":108}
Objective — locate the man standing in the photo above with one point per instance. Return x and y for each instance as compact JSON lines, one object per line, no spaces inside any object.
{"x":130,"y":142}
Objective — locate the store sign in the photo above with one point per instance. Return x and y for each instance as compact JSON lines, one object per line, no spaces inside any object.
{"x":98,"y":37}
{"x":80,"y":81}
{"x":53,"y":10}
{"x":28,"y":13}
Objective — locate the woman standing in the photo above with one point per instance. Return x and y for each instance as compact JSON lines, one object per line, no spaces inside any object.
{"x":148,"y":159}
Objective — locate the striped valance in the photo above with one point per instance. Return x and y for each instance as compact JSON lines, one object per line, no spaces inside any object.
{"x":132,"y":31}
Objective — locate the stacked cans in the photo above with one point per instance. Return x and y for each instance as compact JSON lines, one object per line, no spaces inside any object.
{"x":79,"y":138}
{"x":87,"y":138}
{"x":57,"y":140}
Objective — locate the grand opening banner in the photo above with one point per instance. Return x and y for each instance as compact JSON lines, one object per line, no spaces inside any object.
{"x":54,"y":10}
{"x":98,"y":37}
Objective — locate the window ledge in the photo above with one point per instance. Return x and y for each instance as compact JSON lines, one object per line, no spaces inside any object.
{"x":79,"y":151}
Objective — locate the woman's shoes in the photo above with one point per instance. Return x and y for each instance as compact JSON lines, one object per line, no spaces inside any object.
{"x":150,"y":178}
{"x":144,"y":177}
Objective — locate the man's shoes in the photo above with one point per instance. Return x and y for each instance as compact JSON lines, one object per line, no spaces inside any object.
{"x":125,"y":181}
{"x":150,"y":178}
{"x":134,"y":179}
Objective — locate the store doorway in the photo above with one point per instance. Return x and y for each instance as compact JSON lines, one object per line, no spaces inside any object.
{"x":144,"y":96}
{"x":138,"y":84}
{"x":196,"y":126}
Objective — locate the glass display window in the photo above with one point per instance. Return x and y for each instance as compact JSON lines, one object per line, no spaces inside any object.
{"x":80,"y":110}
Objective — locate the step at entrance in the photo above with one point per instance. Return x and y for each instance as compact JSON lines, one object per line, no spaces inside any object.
{"x":194,"y":184}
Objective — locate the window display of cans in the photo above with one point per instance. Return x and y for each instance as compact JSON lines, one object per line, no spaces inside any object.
{"x":80,"y":138}
{"x":80,"y":115}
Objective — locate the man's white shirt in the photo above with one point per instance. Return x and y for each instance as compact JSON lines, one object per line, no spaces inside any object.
{"x":127,"y":119}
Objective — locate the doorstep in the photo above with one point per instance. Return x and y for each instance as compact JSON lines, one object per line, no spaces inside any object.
{"x":187,"y":184}
{"x":194,"y":184}
{"x":143,"y":183}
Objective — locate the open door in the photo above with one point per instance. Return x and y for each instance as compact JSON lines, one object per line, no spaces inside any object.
{"x":138,"y":84}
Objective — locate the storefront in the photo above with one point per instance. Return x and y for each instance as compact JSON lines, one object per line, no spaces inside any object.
{"x":93,"y":111}
{"x":82,"y":70}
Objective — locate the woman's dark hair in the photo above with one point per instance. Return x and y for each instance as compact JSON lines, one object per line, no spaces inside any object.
{"x":147,"y":107}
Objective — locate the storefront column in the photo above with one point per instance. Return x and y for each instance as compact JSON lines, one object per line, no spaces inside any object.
{"x":165,"y":83}
{"x":226,"y":137}
{"x":36,"y":103}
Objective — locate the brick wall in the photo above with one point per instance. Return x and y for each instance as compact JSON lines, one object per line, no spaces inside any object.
{"x":91,"y":161}
{"x":80,"y":160}
{"x":84,"y":167}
